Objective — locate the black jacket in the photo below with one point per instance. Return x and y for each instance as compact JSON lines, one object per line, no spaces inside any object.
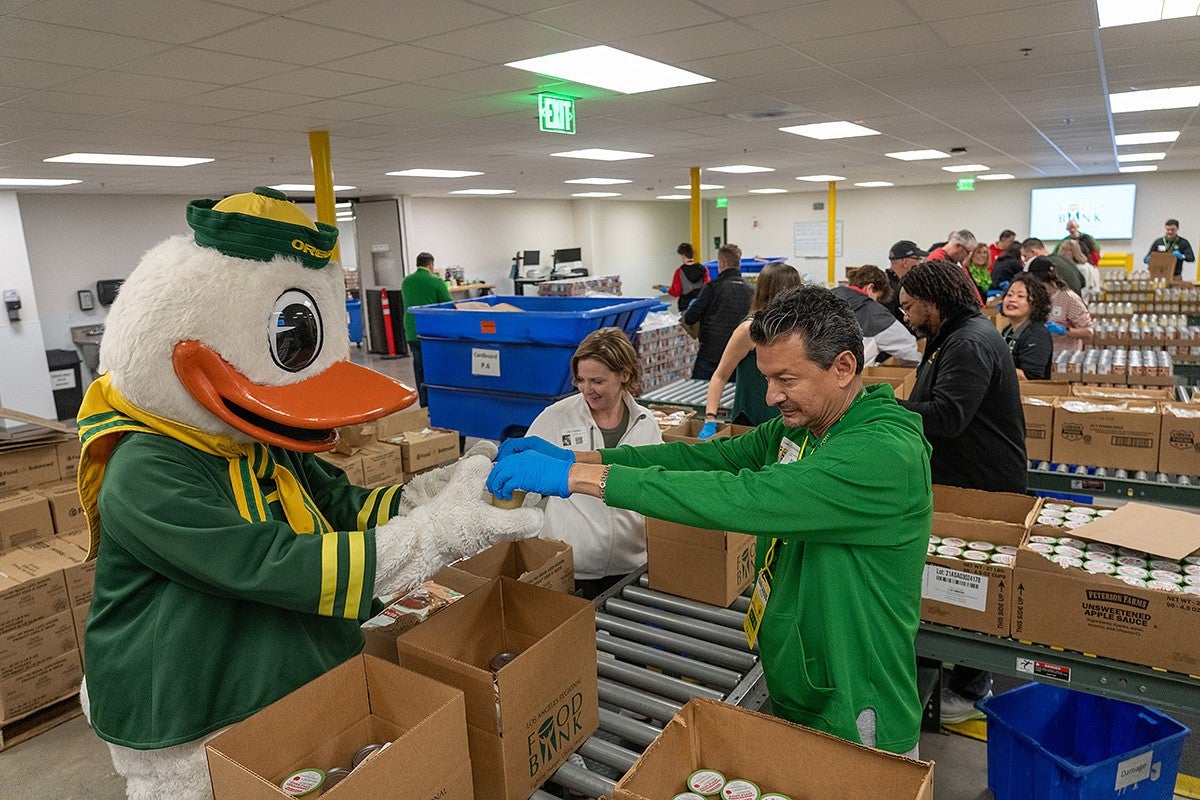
{"x":1178,"y":243}
{"x":1031,"y":348}
{"x":966,"y":393}
{"x":722,"y":305}
{"x":1004,"y":269}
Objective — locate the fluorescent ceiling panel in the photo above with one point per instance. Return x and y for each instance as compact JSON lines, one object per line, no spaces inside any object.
{"x":1133,"y":12}
{"x":740,"y":169}
{"x":874,"y":184}
{"x":127,"y":160}
{"x":1151,"y":137}
{"x":421,"y":172}
{"x":306,"y":187}
{"x":37,"y":181}
{"x":820,"y":178}
{"x":1140,"y":168}
{"x":996,"y":176}
{"x":596,"y":194}
{"x":674,"y":197}
{"x":610,"y":68}
{"x":917,"y":155}
{"x":598,"y":181}
{"x":1123,"y":157}
{"x":703,"y":186}
{"x":768,"y":191}
{"x":1155,"y":99}
{"x":484,"y":191}
{"x":967,"y":168}
{"x":346,"y":204}
{"x":830,"y":130}
{"x":602,"y":154}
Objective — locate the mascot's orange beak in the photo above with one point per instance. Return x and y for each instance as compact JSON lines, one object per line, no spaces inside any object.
{"x":300,"y":416}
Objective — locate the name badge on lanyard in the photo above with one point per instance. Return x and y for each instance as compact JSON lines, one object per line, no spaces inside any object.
{"x":789,"y":451}
{"x":572,"y":438}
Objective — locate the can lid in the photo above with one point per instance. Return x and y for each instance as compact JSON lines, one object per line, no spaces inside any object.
{"x":500,"y":660}
{"x":302,"y":782}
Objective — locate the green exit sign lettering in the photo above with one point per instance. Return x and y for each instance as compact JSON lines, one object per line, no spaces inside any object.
{"x":722,"y":202}
{"x":556,"y":114}
{"x":966,"y":184}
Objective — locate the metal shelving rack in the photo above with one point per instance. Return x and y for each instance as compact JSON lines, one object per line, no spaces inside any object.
{"x":1150,"y":491}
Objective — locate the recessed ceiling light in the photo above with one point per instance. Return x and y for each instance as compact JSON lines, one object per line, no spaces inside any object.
{"x":1132,"y":12}
{"x":421,"y":172}
{"x":1123,"y":157}
{"x":674,"y":197}
{"x":1155,"y":99}
{"x":36,"y":182}
{"x":768,"y":191}
{"x":610,"y":68}
{"x":820,"y":178}
{"x":128,"y":160}
{"x":598,"y":181}
{"x":967,"y":168}
{"x":874,"y":184}
{"x":740,"y":169}
{"x":1140,"y":168}
{"x":596,"y":194}
{"x":830,"y":130}
{"x":996,"y":176}
{"x":346,"y":204}
{"x":306,"y":187}
{"x":484,"y":191}
{"x":703,"y":186}
{"x":349,"y":218}
{"x":1153,"y":137}
{"x":917,"y":155}
{"x":602,"y":154}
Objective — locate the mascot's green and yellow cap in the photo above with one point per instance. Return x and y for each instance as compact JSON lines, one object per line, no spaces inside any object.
{"x":260,"y":225}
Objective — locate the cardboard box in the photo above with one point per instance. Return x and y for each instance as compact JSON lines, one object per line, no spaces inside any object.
{"x":1179,"y":440}
{"x":543,"y":562}
{"x":738,"y":430}
{"x":381,"y":630}
{"x":524,"y":720}
{"x":46,"y":683}
{"x":67,"y":454}
{"x":24,"y":518}
{"x":763,"y":749}
{"x":325,"y":722}
{"x":383,"y":464}
{"x":66,"y":509}
{"x":1103,"y":616}
{"x":1120,"y":392}
{"x":1039,"y":427}
{"x":424,"y":450}
{"x":1162,"y":266}
{"x":690,"y":431}
{"x":28,"y":646}
{"x":393,"y":425}
{"x":902,"y":379}
{"x":28,"y":466}
{"x":25,"y":599}
{"x":1044,"y":388}
{"x":351,"y":465}
{"x":712,"y":567}
{"x":668,"y":417}
{"x":1120,"y":434}
{"x":354,"y":437}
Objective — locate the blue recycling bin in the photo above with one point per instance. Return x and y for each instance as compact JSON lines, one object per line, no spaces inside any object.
{"x":749,"y":266}
{"x":354,"y":310}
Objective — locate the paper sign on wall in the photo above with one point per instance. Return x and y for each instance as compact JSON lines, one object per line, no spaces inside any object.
{"x":812,"y":239}
{"x":485,"y":362}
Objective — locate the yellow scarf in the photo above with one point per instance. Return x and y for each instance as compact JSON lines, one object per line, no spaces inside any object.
{"x":106,"y":416}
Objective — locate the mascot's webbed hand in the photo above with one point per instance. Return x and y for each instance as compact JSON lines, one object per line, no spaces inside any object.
{"x":424,"y":487}
{"x":459,"y":520}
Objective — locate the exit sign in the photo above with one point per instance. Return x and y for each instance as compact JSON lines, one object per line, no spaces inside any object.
{"x":966,"y":184}
{"x":556,"y":114}
{"x":722,"y":202}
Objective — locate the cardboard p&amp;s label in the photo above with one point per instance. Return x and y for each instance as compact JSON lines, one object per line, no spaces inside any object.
{"x":955,"y":587}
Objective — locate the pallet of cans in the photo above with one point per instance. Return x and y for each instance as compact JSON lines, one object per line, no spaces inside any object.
{"x":665,"y":351}
{"x":581,"y":286}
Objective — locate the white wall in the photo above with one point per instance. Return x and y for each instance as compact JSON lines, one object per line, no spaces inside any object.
{"x":24,"y":375}
{"x":874,"y":219}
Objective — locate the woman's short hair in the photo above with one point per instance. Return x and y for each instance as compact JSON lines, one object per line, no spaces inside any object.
{"x":871,"y":275}
{"x":1039,"y":296}
{"x":612,"y":348}
{"x":775,"y":279}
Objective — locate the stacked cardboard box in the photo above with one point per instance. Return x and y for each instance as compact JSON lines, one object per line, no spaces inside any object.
{"x":581,"y":287}
{"x":421,"y":447}
{"x":712,"y":567}
{"x":665,"y":351}
{"x":902,"y":379}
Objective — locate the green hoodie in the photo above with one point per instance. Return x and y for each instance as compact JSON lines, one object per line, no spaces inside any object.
{"x":853,"y":518}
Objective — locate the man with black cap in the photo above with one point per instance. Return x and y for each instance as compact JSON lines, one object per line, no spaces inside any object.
{"x":904,"y":255}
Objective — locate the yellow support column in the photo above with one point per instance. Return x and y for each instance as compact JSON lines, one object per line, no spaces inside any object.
{"x":832,"y":210}
{"x":697,"y":245}
{"x":318,"y":146}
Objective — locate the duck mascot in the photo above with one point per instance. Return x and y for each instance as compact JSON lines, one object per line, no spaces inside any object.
{"x":232,"y":565}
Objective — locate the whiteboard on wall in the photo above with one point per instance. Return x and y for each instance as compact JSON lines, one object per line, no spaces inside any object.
{"x":812,"y":239}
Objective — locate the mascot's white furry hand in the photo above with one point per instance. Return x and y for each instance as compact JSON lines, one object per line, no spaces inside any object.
{"x":424,"y":487}
{"x":459,"y":520}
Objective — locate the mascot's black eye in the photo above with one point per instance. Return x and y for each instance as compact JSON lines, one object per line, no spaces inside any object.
{"x":295,"y":331}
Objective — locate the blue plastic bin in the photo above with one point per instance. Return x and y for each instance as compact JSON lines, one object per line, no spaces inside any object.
{"x":354,"y":310}
{"x":1048,"y":743}
{"x":749,"y":265}
{"x":544,"y":320}
{"x":527,"y":368}
{"x":486,"y":414}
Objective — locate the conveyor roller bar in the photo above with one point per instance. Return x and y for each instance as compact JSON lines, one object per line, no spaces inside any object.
{"x":613,"y":755}
{"x":631,"y":730}
{"x":584,"y":781}
{"x":678,"y":605}
{"x":677,"y":623}
{"x":726,"y":657}
{"x":637,"y":701}
{"x":664,"y":685}
{"x":668,"y":662}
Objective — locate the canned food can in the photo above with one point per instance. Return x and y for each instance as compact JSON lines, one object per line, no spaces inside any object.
{"x":949,"y":551}
{"x":1073,"y":517}
{"x":1166,"y":576}
{"x":1100,"y":567}
{"x":1056,"y":507}
{"x":706,"y":782}
{"x":687,"y":796}
{"x":976,"y":555}
{"x":1052,"y":512}
{"x":1096,"y":555}
{"x":1191,"y":569}
{"x":1132,"y":581}
{"x":740,"y":790}
{"x":333,"y":776}
{"x":1191,"y":580}
{"x":1131,"y":561}
{"x":1055,"y":521}
{"x":500,"y":660}
{"x":1004,"y":559}
{"x":1068,"y":550}
{"x":1163,"y":586}
{"x":1079,"y":544}
{"x":1066,"y":561}
{"x":365,"y":753}
{"x":1193,"y":560}
{"x":1042,"y":547}
{"x":1075,"y":524}
{"x":305,"y":782}
{"x":1101,"y":547}
{"x":954,"y":541}
{"x":983,"y":547}
{"x":935,"y":539}
{"x":1050,"y":540}
{"x":1006,"y":549}
{"x":1086,"y":510}
{"x":1166,"y":566}
{"x":1133,"y":572}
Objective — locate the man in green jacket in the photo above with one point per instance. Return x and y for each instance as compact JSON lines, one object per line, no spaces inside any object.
{"x":420,"y":288}
{"x":838,"y":492}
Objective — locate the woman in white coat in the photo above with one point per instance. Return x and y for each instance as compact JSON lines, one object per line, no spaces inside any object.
{"x":608,"y":542}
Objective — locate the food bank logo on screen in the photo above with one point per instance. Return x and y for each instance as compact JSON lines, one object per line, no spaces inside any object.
{"x":1086,"y":213}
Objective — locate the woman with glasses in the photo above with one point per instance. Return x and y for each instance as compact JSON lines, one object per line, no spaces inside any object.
{"x":608,"y":543}
{"x":1026,"y":306}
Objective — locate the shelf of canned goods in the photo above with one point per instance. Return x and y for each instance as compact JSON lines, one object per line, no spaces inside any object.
{"x":1079,"y":481}
{"x":687,"y":392}
{"x":654,"y":652}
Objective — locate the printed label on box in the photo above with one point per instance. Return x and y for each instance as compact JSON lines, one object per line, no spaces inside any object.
{"x":955,"y":587}
{"x":485,"y":362}
{"x":1134,"y":770}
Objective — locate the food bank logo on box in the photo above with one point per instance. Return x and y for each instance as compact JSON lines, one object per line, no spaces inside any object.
{"x":745,"y":565}
{"x":560,"y":728}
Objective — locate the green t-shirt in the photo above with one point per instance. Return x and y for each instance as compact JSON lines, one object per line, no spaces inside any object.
{"x":853,"y":517}
{"x":421,"y":288}
{"x":200,"y":618}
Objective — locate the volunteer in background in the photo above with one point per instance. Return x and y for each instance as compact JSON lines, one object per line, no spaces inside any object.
{"x":420,"y":288}
{"x":837,"y":490}
{"x":720,"y":307}
{"x":1067,"y":272}
{"x":957,"y":250}
{"x":750,"y":387}
{"x":1172,"y":242}
{"x":1025,"y":306}
{"x":1069,"y":321}
{"x":1071,"y":251}
{"x":979,"y":266}
{"x":966,"y":393}
{"x":608,"y":543}
{"x":1008,"y":264}
{"x":689,"y":278}
{"x":902,"y":256}
{"x":997,"y":248}
{"x":866,"y":293}
{"x":1087,"y":244}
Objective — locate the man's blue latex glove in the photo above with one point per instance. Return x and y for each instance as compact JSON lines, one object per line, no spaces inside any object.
{"x":1005,"y":284}
{"x":1177,"y":253}
{"x":529,"y":471}
{"x":1054,"y":327}
{"x":538,"y":445}
{"x":1146,"y":260}
{"x":660,"y":287}
{"x":707,"y":431}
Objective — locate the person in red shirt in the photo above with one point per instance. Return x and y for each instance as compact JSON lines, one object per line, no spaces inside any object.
{"x":689,"y":278}
{"x":997,"y":248}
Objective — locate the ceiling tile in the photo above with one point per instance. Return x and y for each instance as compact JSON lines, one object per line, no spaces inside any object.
{"x":58,"y":44}
{"x":830,"y":18}
{"x":290,"y":41}
{"x":881,"y":43}
{"x":30,"y":74}
{"x":406,"y":95}
{"x":115,"y":83}
{"x":402,"y":62}
{"x":610,"y":20}
{"x":509,"y":39}
{"x":754,"y":62}
{"x":316,"y":82}
{"x":74,"y":103}
{"x":190,"y":63}
{"x":173,"y":22}
{"x":394,"y":21}
{"x":496,"y":80}
{"x":250,"y":99}
{"x":683,"y":45}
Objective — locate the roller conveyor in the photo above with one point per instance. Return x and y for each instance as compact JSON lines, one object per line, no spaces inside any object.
{"x":654,"y":652}
{"x":687,"y":392}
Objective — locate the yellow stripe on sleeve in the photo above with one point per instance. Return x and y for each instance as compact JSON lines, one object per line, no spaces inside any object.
{"x":329,"y":570}
{"x":364,"y":513}
{"x":385,"y":505}
{"x":354,"y":584}
{"x":239,"y":489}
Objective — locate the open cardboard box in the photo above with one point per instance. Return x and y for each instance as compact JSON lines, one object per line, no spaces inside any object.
{"x":393,"y":425}
{"x":712,"y":567}
{"x":325,"y":722}
{"x":902,"y":379}
{"x":690,"y":431}
{"x":525,"y":719}
{"x":543,"y":562}
{"x":1120,"y":392}
{"x":1104,"y":616}
{"x":422,"y":450}
{"x":382,"y":630}
{"x":1179,"y":441}
{"x":776,"y":755}
{"x":1101,"y":432}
